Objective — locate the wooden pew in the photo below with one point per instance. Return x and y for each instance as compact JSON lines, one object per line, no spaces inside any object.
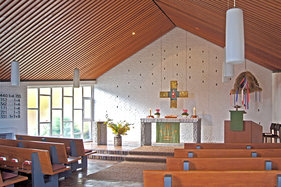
{"x":18,"y":159}
{"x":9,"y":179}
{"x":226,"y":153}
{"x":224,"y":164}
{"x":232,"y":146}
{"x":212,"y":178}
{"x":75,"y":146}
{"x":57,"y":151}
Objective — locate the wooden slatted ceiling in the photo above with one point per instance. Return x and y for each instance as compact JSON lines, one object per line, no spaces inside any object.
{"x":206,"y":18}
{"x":51,"y":38}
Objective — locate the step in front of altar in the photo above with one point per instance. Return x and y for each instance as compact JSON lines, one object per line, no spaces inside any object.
{"x":150,"y":155}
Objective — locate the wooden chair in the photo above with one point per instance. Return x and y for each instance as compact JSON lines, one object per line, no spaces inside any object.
{"x":273,"y":135}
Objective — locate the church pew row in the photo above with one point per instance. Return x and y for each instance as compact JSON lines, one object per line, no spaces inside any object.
{"x":9,"y":179}
{"x":212,"y":178}
{"x":57,"y":152}
{"x":74,"y":147}
{"x":36,"y":162}
{"x":223,"y":164}
{"x":232,"y":146}
{"x":226,"y":153}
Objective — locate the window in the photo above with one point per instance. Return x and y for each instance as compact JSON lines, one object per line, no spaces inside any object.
{"x":60,"y":111}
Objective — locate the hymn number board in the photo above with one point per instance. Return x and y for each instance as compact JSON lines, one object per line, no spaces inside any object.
{"x":10,"y":106}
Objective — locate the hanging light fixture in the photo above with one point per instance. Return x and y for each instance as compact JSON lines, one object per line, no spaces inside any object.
{"x":15,"y":73}
{"x":76,"y":78}
{"x":227,"y":70}
{"x":234,"y":36}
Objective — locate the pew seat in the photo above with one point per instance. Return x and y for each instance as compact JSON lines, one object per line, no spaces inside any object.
{"x":9,"y":179}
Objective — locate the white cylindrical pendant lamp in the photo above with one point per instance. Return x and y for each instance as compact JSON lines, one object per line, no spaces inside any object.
{"x":227,"y":68}
{"x":15,"y":73}
{"x":76,"y":78}
{"x":234,"y":36}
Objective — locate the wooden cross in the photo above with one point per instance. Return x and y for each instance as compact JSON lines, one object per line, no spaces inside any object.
{"x":173,"y":94}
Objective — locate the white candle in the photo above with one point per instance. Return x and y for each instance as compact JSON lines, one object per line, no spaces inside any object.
{"x":194,"y":111}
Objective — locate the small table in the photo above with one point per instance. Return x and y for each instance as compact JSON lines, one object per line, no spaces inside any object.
{"x":146,"y":127}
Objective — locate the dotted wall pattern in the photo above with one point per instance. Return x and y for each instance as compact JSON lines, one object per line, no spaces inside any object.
{"x":127,"y":91}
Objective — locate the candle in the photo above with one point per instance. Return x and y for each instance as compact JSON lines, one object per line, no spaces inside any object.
{"x":194,"y":111}
{"x":149,"y":111}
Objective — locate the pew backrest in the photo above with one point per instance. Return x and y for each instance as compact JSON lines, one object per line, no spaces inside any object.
{"x":212,"y":178}
{"x":223,"y":164}
{"x":18,"y":158}
{"x":232,"y":146}
{"x":60,"y":148}
{"x":66,"y":141}
{"x":226,"y":153}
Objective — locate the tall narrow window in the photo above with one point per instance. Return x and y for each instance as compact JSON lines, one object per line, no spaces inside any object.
{"x":60,"y":111}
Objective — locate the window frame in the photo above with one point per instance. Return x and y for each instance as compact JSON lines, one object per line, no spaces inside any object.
{"x":72,"y":121}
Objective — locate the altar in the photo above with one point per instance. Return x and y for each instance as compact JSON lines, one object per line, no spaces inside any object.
{"x":146,"y":127}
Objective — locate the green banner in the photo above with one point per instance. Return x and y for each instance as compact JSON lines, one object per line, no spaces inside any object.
{"x":167,"y":132}
{"x":236,"y":120}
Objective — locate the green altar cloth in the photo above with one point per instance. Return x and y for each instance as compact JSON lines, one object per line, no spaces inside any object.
{"x":236,"y":120}
{"x":168,"y":132}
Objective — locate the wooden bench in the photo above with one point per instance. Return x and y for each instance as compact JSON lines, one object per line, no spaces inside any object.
{"x":31,"y":161}
{"x":212,"y":178}
{"x":57,"y":151}
{"x":226,"y":153}
{"x":9,"y":179}
{"x":232,"y":146}
{"x":223,"y":164}
{"x":74,"y":147}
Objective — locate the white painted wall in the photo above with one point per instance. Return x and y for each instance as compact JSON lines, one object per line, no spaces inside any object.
{"x":127,"y":91}
{"x":276,"y":97}
{"x":18,"y":126}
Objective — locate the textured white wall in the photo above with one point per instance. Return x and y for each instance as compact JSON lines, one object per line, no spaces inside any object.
{"x":127,"y":91}
{"x":276,"y":97}
{"x":16,"y":125}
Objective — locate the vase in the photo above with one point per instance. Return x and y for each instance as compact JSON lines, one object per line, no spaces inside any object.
{"x":118,"y":140}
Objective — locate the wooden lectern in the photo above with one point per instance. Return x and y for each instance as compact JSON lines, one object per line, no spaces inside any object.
{"x":251,"y":133}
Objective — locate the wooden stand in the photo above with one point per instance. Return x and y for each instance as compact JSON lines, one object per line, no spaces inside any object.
{"x":251,"y":133}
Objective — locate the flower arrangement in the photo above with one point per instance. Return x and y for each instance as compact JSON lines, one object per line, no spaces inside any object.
{"x":119,"y":128}
{"x":184,"y":112}
{"x":157,"y":112}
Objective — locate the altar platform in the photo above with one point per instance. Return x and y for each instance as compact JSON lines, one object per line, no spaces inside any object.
{"x":132,"y":152}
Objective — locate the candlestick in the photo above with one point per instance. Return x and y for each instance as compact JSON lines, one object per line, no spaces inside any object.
{"x":194,"y":111}
{"x":149,"y":111}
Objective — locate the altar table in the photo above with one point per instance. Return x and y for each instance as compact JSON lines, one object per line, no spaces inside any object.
{"x":146,"y":127}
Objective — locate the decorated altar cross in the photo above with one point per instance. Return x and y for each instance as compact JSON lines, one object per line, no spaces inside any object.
{"x":173,"y":94}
